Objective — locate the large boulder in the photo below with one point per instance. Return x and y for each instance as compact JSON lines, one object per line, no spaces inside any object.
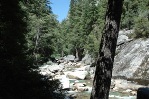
{"x":132,"y":60}
{"x":125,"y":85}
{"x":48,"y":69}
{"x":80,"y":75}
{"x":124,"y":36}
{"x":69,"y":58}
{"x":87,"y":59}
{"x":65,"y":82}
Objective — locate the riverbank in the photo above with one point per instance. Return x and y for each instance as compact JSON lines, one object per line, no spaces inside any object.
{"x":77,"y":77}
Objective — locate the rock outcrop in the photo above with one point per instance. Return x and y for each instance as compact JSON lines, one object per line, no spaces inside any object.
{"x":132,"y":58}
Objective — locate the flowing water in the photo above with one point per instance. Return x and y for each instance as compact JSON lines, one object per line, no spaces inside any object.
{"x":113,"y":95}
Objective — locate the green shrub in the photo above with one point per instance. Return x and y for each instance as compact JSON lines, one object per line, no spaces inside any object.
{"x":141,"y":29}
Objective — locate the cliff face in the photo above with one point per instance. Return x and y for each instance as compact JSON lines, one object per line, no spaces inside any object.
{"x":132,"y":57}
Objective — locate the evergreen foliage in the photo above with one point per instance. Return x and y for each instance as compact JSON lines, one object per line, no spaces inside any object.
{"x":19,"y":78}
{"x":141,"y":27}
{"x":130,"y":12}
{"x":41,"y":26}
{"x":136,"y":16}
{"x":81,"y":28}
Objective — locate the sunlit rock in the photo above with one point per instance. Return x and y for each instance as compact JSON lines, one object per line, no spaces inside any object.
{"x":77,"y":75}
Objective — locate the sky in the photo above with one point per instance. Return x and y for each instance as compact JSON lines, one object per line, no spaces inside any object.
{"x":60,"y":8}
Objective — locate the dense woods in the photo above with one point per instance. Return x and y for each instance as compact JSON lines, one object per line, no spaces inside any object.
{"x":30,"y":35}
{"x":21,"y":30}
{"x":81,"y":31}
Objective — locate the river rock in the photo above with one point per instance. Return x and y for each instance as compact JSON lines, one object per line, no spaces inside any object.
{"x":125,"y":85}
{"x":134,"y":93}
{"x":78,"y":65}
{"x":78,"y":84}
{"x":84,"y":68}
{"x":112,"y":84}
{"x":65,"y":82}
{"x":69,"y":58}
{"x":80,"y":75}
{"x":48,"y":69}
{"x":80,"y":87}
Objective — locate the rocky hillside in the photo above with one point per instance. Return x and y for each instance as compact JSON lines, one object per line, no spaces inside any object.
{"x":132,"y":57}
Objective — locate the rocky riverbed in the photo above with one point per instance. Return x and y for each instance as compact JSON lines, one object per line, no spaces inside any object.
{"x":77,"y":77}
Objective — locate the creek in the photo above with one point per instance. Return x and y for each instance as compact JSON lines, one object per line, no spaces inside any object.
{"x":113,"y":94}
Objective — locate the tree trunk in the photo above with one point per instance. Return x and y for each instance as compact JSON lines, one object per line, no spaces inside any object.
{"x":35,"y":52}
{"x":79,"y":53}
{"x":104,"y":65}
{"x":62,"y":53}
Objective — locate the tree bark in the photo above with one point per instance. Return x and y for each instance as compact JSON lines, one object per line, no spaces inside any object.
{"x":79,"y":53}
{"x":104,"y":65}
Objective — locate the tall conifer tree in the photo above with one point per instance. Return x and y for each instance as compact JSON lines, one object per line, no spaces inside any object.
{"x":103,"y":73}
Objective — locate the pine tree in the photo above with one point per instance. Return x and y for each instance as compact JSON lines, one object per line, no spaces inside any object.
{"x":141,"y":22}
{"x":82,"y":19}
{"x":130,"y":12}
{"x":103,"y":73}
{"x":41,"y":27}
